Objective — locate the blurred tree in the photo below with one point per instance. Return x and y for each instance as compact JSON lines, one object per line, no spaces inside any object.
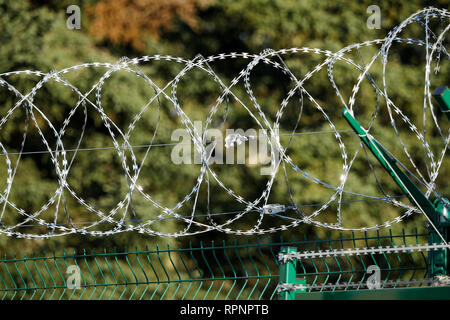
{"x":128,"y":21}
{"x":34,"y":37}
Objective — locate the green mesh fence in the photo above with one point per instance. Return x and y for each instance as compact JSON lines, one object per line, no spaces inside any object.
{"x":248,"y":269}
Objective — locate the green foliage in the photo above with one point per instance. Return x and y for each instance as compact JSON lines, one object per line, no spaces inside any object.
{"x":34,"y":36}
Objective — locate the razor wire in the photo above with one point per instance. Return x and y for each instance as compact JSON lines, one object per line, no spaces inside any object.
{"x":283,"y":287}
{"x":358,"y":251}
{"x":432,"y":44}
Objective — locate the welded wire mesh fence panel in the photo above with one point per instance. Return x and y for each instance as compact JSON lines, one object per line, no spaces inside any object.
{"x":232,"y":271}
{"x":354,"y":262}
{"x":209,"y":271}
{"x":368,"y":266}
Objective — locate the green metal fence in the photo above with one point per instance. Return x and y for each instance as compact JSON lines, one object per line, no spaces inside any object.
{"x":345,"y":268}
{"x":209,"y":271}
{"x":239,"y":270}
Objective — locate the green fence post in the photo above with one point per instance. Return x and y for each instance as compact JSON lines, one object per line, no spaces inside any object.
{"x":437,"y":212}
{"x":288,"y":275}
{"x":438,"y":259}
{"x":442,"y":96}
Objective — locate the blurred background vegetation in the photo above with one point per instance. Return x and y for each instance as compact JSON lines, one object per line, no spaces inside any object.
{"x":34,"y":36}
